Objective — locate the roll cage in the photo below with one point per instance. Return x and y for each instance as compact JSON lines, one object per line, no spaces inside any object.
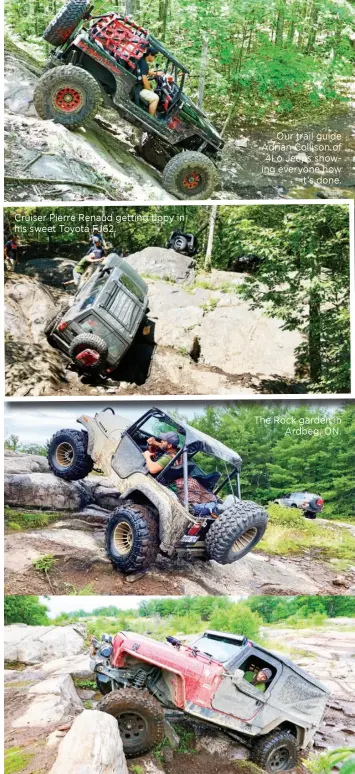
{"x":193,"y":442}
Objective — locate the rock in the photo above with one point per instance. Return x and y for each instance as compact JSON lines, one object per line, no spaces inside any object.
{"x":167,"y":754}
{"x":34,"y":644}
{"x":339,"y":580}
{"x":171,"y":735}
{"x":52,"y":701}
{"x":163,"y":263}
{"x":43,"y":490}
{"x":92,"y":746}
{"x":26,"y":463}
{"x":84,"y":694}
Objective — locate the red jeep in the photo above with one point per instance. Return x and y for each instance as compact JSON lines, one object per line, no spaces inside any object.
{"x":217,"y":681}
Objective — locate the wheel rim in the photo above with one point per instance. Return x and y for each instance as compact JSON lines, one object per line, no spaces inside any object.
{"x":279,"y":759}
{"x":64,"y":454}
{"x":123,"y":538}
{"x":133,"y":728}
{"x":192,"y":180}
{"x":244,"y":540}
{"x":68,"y":99}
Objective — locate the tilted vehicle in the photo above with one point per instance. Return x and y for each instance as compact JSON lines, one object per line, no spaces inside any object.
{"x":182,"y":242}
{"x":143,"y":679}
{"x":309,"y":503}
{"x":150,"y":515}
{"x":96,"y":56}
{"x":98,"y":328}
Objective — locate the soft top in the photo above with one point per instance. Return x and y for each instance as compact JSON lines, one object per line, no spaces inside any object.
{"x":290,"y":664}
{"x":196,"y":440}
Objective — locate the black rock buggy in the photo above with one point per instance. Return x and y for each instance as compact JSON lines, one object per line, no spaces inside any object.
{"x":159,"y":512}
{"x":99,"y":59}
{"x":100,"y":325}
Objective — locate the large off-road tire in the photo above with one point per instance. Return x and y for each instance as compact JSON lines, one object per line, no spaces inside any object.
{"x":88,"y":341}
{"x":310,"y":515}
{"x":277,"y":751}
{"x":179,"y":243}
{"x":190,"y":175}
{"x":140,"y":719}
{"x":67,"y":455}
{"x":65,"y":22}
{"x":132,"y":537}
{"x":67,"y":95}
{"x":236,"y":532}
{"x":53,"y":322}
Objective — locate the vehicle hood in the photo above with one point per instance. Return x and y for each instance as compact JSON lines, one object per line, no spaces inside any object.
{"x":161,"y":654}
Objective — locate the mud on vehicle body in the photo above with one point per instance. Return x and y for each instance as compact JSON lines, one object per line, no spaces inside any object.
{"x":142,"y":679}
{"x":99,"y":58}
{"x":102,"y":321}
{"x":150,"y":516}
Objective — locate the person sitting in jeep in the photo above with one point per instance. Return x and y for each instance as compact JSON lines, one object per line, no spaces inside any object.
{"x":144,"y":89}
{"x":258,"y":679}
{"x":168,"y":443}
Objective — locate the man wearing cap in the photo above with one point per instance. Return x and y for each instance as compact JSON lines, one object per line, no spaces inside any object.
{"x":144,"y":88}
{"x":168,"y":443}
{"x":259,"y":679}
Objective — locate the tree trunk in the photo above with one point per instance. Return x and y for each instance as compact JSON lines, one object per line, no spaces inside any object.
{"x":314,"y":336}
{"x":280,"y":23}
{"x":208,"y":256}
{"x":313,"y":22}
{"x":163,"y":17}
{"x":201,"y":83}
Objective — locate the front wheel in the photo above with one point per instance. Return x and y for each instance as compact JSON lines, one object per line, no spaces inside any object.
{"x":132,"y":537}
{"x":140,"y":719}
{"x":277,"y":751}
{"x":190,"y":175}
{"x":67,"y":455}
{"x":68,"y":95}
{"x":236,"y":532}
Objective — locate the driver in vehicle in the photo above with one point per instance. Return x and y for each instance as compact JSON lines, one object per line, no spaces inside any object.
{"x":166,"y":442}
{"x":259,"y":679}
{"x":144,"y":88}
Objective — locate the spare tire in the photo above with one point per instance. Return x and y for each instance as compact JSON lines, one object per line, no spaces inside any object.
{"x":65,"y":22}
{"x":179,"y":243}
{"x":96,"y":348}
{"x":236,"y":532}
{"x":67,"y":455}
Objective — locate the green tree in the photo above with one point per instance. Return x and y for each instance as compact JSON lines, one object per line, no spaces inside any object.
{"x":25,"y":609}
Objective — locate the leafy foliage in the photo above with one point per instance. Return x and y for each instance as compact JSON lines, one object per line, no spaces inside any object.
{"x":25,"y":609}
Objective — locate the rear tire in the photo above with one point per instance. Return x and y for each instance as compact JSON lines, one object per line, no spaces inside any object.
{"x":67,"y":95}
{"x":65,"y":22}
{"x":67,"y":455}
{"x":190,"y":175}
{"x":53,"y":322}
{"x":132,"y":538}
{"x":236,"y":532}
{"x":140,"y":719}
{"x":310,"y":515}
{"x":277,"y":751}
{"x":92,"y":342}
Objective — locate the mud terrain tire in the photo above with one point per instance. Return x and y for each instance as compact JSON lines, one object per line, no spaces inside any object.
{"x":89,"y":341}
{"x":65,"y":22}
{"x":190,"y":175}
{"x":53,"y":322}
{"x":277,"y":751}
{"x":132,"y":537}
{"x":67,"y":455}
{"x":137,"y":712}
{"x":236,"y":532}
{"x":67,"y":95}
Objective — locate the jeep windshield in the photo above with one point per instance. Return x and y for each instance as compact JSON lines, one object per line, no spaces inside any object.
{"x":220,"y":648}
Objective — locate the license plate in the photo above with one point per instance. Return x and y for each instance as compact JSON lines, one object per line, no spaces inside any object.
{"x":189,"y":539}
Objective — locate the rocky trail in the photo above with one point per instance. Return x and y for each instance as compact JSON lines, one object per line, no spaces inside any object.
{"x":50,"y":704}
{"x":205,"y":339}
{"x":72,"y":530}
{"x":45,"y":161}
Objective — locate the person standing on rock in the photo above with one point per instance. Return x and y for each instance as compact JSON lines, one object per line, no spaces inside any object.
{"x":10,"y":253}
{"x":144,"y":89}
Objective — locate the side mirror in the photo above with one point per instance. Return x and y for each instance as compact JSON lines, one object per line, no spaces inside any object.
{"x":238,"y":676}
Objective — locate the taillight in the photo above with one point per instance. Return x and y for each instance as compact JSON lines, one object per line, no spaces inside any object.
{"x":319,"y":501}
{"x":194,"y":530}
{"x":62,"y":326}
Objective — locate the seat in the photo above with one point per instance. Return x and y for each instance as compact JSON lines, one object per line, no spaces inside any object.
{"x":174,"y":473}
{"x":209,"y":480}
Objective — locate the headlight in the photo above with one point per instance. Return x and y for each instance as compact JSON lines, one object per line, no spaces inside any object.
{"x":105,"y":651}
